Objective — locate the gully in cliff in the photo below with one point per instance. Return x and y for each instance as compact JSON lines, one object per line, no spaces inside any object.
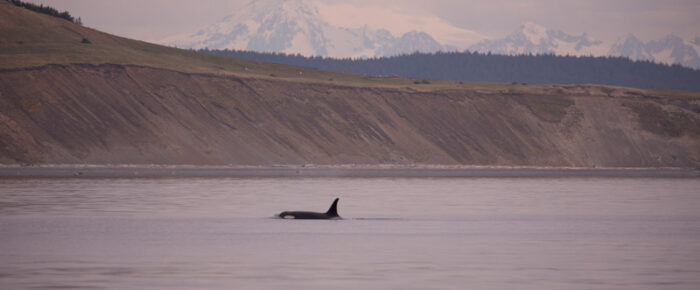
{"x":332,"y":213}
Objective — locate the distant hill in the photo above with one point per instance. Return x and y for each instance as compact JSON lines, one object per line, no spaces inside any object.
{"x":112,"y":100}
{"x":478,"y":67}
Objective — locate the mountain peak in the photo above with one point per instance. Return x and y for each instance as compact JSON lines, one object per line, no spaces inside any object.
{"x":534,"y":38}
{"x":630,"y":37}
{"x":534,"y":32}
{"x":409,"y":42}
{"x":297,"y":27}
{"x":671,"y":49}
{"x":630,"y":46}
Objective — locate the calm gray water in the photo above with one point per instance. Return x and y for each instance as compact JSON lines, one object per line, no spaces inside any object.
{"x":398,"y":233}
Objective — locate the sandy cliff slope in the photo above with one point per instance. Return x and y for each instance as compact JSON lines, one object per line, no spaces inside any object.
{"x":119,"y":101}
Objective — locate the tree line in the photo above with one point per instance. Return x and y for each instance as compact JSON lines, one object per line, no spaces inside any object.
{"x":487,"y":67}
{"x":47,"y":10}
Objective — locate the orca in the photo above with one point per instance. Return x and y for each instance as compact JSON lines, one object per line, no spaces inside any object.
{"x":332,"y":213}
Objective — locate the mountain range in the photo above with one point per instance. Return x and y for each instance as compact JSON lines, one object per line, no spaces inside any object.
{"x":531,"y":38}
{"x":300,"y":27}
{"x":296,"y":26}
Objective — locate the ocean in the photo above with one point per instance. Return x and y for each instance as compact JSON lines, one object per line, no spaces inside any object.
{"x":396,"y":233}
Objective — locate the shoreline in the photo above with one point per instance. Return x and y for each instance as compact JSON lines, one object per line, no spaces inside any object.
{"x":146,"y":171}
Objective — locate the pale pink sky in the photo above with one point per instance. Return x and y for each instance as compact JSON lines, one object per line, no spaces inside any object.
{"x":602,"y":19}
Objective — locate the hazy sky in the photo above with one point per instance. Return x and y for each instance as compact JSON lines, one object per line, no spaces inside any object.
{"x":603,"y":19}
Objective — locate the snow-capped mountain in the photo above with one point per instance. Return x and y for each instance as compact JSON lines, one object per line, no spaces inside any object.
{"x":630,"y":46}
{"x":266,"y":25}
{"x":413,"y":41}
{"x":670,"y":50}
{"x":295,"y":26}
{"x":536,"y":39}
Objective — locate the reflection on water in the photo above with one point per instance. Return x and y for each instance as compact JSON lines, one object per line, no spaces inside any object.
{"x":498,"y":233}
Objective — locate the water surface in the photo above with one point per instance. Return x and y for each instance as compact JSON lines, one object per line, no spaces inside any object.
{"x":397,"y":233}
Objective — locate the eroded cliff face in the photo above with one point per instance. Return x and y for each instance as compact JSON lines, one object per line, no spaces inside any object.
{"x":114,"y":114}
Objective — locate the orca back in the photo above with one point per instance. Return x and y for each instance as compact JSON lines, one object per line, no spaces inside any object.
{"x":332,"y":213}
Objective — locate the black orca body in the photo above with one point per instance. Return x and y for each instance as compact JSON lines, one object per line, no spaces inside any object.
{"x":332,"y":213}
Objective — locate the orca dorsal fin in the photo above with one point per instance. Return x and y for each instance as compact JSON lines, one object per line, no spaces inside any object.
{"x":333,"y":210}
